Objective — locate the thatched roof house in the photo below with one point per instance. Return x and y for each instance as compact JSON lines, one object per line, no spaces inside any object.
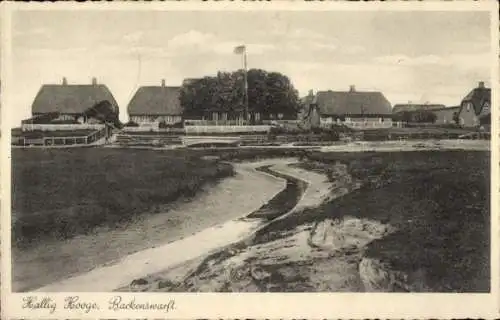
{"x":480,"y":98}
{"x":475,"y":108}
{"x":156,"y":104}
{"x":353,"y":103}
{"x":72,"y":100}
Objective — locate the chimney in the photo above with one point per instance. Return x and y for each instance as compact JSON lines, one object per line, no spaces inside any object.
{"x":94,"y":81}
{"x":64,"y":81}
{"x":163,"y":83}
{"x":352,"y":88}
{"x":481,"y":84}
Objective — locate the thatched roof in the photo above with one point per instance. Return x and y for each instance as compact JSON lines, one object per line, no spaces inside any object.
{"x":71,"y":99}
{"x":352,"y":103}
{"x":479,"y":97}
{"x":156,"y":100}
{"x":416,"y":107}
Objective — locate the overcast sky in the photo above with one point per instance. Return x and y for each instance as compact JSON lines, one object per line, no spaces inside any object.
{"x":418,"y":56}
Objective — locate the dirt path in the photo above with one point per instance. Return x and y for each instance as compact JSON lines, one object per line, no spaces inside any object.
{"x":320,"y":256}
{"x":55,"y":262}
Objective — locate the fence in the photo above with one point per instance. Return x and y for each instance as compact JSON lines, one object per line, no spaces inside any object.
{"x":238,"y":122}
{"x":60,"y":127}
{"x":61,"y":141}
{"x":282,"y":122}
{"x":138,"y":140}
{"x":145,"y":129}
{"x":360,"y":125}
{"x":226,"y":129}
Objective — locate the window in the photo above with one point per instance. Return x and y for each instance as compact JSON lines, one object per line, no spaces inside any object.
{"x":486,"y":107}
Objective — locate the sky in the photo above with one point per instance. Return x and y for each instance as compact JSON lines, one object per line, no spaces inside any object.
{"x":425,"y":56}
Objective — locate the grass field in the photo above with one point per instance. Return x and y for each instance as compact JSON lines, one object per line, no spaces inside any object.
{"x":59,"y":193}
{"x":438,"y":202}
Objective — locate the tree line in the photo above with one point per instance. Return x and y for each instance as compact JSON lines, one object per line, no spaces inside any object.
{"x":268,"y":93}
{"x":420,"y":116}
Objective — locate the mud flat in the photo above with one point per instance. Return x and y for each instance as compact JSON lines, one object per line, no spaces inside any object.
{"x":410,"y":145}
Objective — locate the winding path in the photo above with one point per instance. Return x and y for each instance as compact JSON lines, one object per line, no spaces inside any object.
{"x":238,"y":197}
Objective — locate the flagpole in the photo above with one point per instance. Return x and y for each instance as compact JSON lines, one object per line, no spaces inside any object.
{"x":246,"y":83}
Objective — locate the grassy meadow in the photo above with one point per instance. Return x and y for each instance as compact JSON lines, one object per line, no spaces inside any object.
{"x":59,"y":193}
{"x":438,"y":201}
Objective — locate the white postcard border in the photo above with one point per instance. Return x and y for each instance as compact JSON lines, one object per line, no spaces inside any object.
{"x":260,"y":305}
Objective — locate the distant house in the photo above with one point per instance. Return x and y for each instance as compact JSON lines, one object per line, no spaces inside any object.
{"x":152,"y":105}
{"x":446,"y":115}
{"x":411,"y":107}
{"x":475,"y":108}
{"x":73,"y":104}
{"x":309,"y":113}
{"x":355,"y":109}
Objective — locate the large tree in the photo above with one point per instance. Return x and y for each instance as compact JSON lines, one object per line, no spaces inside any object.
{"x":268,"y":92}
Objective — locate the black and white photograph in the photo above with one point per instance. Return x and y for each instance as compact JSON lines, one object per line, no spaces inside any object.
{"x":236,"y":151}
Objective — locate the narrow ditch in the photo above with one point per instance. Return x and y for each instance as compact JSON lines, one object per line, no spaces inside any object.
{"x":284,"y":201}
{"x":279,"y":205}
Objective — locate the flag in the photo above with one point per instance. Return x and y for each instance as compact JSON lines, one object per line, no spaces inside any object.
{"x":239,"y":49}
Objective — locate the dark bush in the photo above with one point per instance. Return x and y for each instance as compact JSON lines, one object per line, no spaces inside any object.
{"x":131,"y":124}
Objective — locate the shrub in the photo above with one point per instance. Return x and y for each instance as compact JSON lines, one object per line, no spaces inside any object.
{"x":131,"y":124}
{"x":162,"y":125}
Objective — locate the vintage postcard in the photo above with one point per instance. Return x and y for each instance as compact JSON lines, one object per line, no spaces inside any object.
{"x":223,"y":160}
